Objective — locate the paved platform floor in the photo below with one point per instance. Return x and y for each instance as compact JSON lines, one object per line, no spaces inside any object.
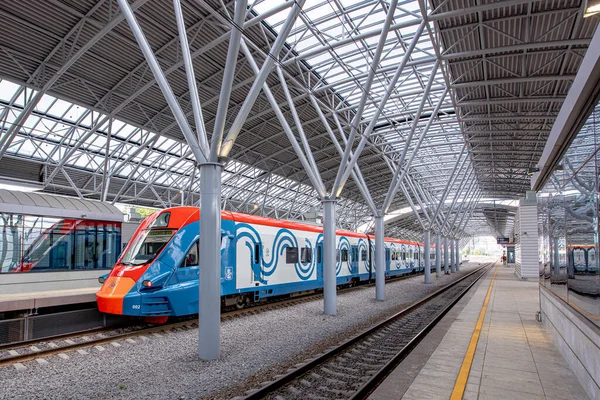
{"x":48,"y":298}
{"x":515,"y":357}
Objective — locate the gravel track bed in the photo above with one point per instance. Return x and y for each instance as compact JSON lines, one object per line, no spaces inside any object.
{"x":254,"y":349}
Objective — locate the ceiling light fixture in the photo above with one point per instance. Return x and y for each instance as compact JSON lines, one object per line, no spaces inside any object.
{"x":533,"y":170}
{"x":592,"y":7}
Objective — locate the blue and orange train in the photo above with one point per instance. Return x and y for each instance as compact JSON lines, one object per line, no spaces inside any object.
{"x":156,"y":276}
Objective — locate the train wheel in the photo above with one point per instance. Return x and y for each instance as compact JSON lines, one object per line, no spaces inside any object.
{"x":241,"y":302}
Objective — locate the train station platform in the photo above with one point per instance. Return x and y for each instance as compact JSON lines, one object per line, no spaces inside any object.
{"x":48,"y":298}
{"x":490,"y":346}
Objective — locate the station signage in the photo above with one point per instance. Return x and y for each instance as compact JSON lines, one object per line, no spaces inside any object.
{"x":503,"y":240}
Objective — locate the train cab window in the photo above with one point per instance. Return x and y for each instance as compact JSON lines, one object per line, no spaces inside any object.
{"x":147,"y":246}
{"x":191,"y":259}
{"x":363,"y":255}
{"x":344,"y":255}
{"x":291,"y":255}
{"x":305,"y":255}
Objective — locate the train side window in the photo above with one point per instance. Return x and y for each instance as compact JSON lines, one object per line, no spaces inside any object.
{"x":344,"y":255}
{"x":393,"y":255}
{"x":319,"y":259}
{"x":256,"y":253}
{"x":363,"y":255}
{"x":337,"y":255}
{"x":403,"y":255}
{"x":291,"y":255}
{"x":305,"y":255}
{"x":191,"y":258}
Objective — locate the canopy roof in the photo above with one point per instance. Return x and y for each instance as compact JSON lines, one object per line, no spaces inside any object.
{"x":82,"y":114}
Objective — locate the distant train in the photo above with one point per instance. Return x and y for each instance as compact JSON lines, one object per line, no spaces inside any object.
{"x":156,"y":276}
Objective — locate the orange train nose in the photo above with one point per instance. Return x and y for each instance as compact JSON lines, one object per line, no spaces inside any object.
{"x":111,"y":294}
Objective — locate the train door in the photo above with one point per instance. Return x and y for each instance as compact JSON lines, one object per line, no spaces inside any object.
{"x":354,"y":260}
{"x":320,"y":260}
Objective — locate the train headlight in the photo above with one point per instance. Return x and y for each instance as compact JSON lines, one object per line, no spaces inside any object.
{"x":101,"y":280}
{"x":147,"y":283}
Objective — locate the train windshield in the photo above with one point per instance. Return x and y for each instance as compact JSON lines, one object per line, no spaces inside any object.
{"x":147,"y":246}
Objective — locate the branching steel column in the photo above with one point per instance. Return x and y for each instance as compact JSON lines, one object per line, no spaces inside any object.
{"x":356,"y":174}
{"x":314,"y":177}
{"x":209,"y":314}
{"x":365,"y":93}
{"x":463,"y":202}
{"x":380,"y":266}
{"x":458,"y":192}
{"x":426,"y":255}
{"x":421,"y":204}
{"x":329,"y":250}
{"x":389,"y":90}
{"x":228,"y":75}
{"x":191,"y":78}
{"x":445,"y":254}
{"x":469,"y":211}
{"x":261,"y":78}
{"x":404,"y":169}
{"x":450,"y":181}
{"x":162,"y":82}
{"x":412,"y":205}
{"x":311,"y":161}
{"x":438,"y":254}
{"x":392,"y":190}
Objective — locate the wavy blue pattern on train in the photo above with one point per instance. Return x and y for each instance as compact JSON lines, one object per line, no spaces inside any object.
{"x":343,"y":244}
{"x":363,"y":246}
{"x":283,"y":239}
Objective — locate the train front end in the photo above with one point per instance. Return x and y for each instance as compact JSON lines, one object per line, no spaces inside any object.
{"x":135,"y":286}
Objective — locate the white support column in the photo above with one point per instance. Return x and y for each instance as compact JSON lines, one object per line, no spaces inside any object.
{"x":329,"y":250}
{"x":426,"y":253}
{"x":445,"y":254}
{"x":526,"y":247}
{"x":379,"y":259}
{"x":209,"y":315}
{"x":438,"y":255}
{"x":452,"y":256}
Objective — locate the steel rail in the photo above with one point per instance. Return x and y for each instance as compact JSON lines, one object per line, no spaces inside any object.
{"x":31,"y":355}
{"x":368,"y":386}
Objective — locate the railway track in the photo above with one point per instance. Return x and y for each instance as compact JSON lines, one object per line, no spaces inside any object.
{"x":15,"y":353}
{"x":356,"y":367}
{"x":45,"y":347}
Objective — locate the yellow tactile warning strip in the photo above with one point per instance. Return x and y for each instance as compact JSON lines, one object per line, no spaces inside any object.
{"x":463,"y":375}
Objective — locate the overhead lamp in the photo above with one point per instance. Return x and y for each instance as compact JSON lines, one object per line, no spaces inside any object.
{"x":591,"y":8}
{"x":532,"y":170}
{"x":559,"y":168}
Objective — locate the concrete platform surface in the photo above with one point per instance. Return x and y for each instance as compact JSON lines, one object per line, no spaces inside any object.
{"x":515,"y":357}
{"x":48,"y":298}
